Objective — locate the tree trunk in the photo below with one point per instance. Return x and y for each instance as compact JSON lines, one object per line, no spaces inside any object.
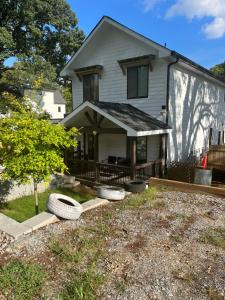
{"x":36,"y":198}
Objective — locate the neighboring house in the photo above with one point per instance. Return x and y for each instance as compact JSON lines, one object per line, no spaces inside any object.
{"x":135,"y":101}
{"x":50,"y":101}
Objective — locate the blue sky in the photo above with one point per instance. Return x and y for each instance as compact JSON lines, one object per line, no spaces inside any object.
{"x":195,"y":28}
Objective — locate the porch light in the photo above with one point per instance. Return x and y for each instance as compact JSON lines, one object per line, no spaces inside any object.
{"x":163,"y":110}
{"x":94,"y":132}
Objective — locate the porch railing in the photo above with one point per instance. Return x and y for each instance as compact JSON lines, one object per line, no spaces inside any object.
{"x":149,"y":169}
{"x":112,"y":173}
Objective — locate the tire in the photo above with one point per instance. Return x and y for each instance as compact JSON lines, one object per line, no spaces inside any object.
{"x":64,"y":206}
{"x":135,"y":186}
{"x":111,"y":193}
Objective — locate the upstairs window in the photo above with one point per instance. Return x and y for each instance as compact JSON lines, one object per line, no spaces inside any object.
{"x":59,"y":108}
{"x":91,"y":87}
{"x":137,"y":82}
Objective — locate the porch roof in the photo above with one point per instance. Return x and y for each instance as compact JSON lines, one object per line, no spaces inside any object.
{"x":126,"y":116}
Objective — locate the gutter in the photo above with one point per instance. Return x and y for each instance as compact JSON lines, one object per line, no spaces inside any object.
{"x":197,"y":66}
{"x":167,"y":108}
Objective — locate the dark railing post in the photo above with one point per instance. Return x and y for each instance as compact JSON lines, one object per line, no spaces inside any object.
{"x":97,"y":172}
{"x":153,"y":169}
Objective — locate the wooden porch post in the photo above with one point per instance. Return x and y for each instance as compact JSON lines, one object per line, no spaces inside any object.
{"x":79,"y":150}
{"x":84,"y":144}
{"x":163,"y":153}
{"x":96,"y":157}
{"x":133,"y":150}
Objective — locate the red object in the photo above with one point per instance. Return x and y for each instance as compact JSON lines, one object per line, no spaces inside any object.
{"x":204,"y":161}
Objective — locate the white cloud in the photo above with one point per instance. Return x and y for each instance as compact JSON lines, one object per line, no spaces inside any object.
{"x":215,"y":29}
{"x":199,"y":9}
{"x":150,"y":4}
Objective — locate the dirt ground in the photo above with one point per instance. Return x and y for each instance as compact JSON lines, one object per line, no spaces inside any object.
{"x":172,"y":247}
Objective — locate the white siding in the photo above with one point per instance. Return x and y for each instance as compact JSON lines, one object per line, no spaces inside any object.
{"x":116,"y":145}
{"x":113,"y":45}
{"x":112,"y":145}
{"x":153,"y":143}
{"x":196,"y":104}
{"x":49,"y":106}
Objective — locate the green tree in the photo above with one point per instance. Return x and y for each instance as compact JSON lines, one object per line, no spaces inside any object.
{"x":33,"y":148}
{"x":219,"y":70}
{"x":27,"y":72}
{"x":46,"y":29}
{"x":66,"y":91}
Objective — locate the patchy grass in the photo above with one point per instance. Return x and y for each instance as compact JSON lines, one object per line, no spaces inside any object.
{"x":22,"y":208}
{"x":214,"y":236}
{"x":178,"y":233}
{"x":64,"y":252}
{"x":137,"y":200}
{"x":185,"y":276}
{"x":83,"y":285}
{"x":80,"y":250}
{"x":215,"y":294}
{"x":21,"y":281}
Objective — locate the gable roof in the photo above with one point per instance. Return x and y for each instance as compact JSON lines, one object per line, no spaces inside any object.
{"x":163,"y":51}
{"x":57,"y":96}
{"x":126,"y":116}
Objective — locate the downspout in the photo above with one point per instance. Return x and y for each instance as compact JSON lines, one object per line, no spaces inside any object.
{"x":167,"y":104}
{"x":168,"y":86}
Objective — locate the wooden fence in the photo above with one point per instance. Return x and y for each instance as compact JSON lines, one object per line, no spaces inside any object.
{"x":216,"y":157}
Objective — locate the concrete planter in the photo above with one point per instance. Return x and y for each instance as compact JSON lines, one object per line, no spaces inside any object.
{"x":203,"y":176}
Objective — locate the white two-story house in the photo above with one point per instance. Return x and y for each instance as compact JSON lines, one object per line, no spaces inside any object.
{"x":50,"y":101}
{"x":137,"y":102}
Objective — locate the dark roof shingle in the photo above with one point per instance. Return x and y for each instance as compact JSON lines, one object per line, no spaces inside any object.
{"x":131,"y":116}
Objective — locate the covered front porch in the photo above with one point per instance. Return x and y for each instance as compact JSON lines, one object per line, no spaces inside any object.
{"x":117,"y":143}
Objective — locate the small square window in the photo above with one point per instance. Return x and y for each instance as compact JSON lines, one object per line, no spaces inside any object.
{"x":59,"y":108}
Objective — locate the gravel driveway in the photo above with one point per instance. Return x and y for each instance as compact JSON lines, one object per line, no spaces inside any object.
{"x":166,"y":249}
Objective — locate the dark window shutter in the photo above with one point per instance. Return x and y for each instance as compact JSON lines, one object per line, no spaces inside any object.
{"x":132,"y":82}
{"x":137,"y":82}
{"x":90,"y":87}
{"x":143,"y":81}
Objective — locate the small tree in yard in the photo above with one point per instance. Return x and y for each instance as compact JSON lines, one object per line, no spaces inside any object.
{"x":32,"y":148}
